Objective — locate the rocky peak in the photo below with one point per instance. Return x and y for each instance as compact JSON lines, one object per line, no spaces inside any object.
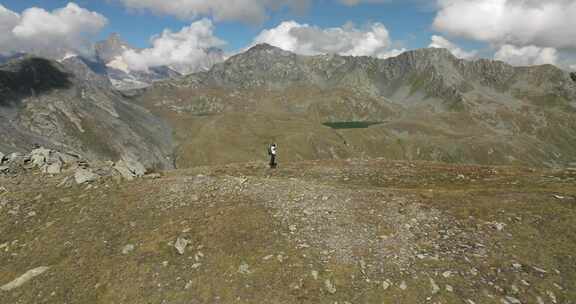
{"x":265,"y":50}
{"x":112,"y":47}
{"x":263,"y":47}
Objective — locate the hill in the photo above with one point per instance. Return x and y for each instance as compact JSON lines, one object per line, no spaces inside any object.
{"x":346,"y":231}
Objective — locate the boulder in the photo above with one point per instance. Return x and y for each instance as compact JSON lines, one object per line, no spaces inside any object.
{"x":2,"y":157}
{"x":53,"y":167}
{"x":40,"y":156}
{"x":21,"y":280}
{"x":68,"y":158}
{"x":18,"y":158}
{"x":4,"y":169}
{"x":85,"y":176}
{"x":130,"y":168}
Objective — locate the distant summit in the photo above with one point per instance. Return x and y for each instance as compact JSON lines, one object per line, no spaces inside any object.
{"x":110,"y":52}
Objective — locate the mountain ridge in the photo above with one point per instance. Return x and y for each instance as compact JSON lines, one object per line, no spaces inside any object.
{"x":69,"y":107}
{"x":431,"y":106}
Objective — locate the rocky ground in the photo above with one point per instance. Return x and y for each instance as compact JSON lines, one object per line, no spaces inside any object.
{"x":342,"y":231}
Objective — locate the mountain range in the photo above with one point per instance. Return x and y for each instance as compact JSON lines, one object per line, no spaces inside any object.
{"x":421,"y":105}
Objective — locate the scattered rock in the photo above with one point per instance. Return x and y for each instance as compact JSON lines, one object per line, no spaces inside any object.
{"x":29,"y":275}
{"x":68,"y":157}
{"x":85,"y":176}
{"x":540,"y":270}
{"x":499,"y":226}
{"x":130,"y":168}
{"x":558,"y":286}
{"x":181,"y":244}
{"x":386,"y":284}
{"x":512,"y":300}
{"x":552,"y":296}
{"x":266,"y":258}
{"x":55,"y":167}
{"x":315,"y":274}
{"x":515,"y":289}
{"x":4,"y":169}
{"x":403,"y":285}
{"x":449,"y":288}
{"x":188,"y":285}
{"x":447,"y":274}
{"x":17,"y":158}
{"x":40,"y":156}
{"x":244,"y":268}
{"x":153,"y":176}
{"x":435,"y":287}
{"x":330,"y":286}
{"x":128,"y":248}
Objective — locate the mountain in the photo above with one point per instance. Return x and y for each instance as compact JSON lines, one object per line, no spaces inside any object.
{"x":423,"y":104}
{"x":69,"y":107}
{"x":110,"y":51}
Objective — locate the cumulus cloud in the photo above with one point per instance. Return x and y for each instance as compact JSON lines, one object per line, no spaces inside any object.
{"x":39,"y":31}
{"x":356,"y":2}
{"x":528,"y":55}
{"x":545,"y":24}
{"x":187,"y":47}
{"x":8,"y":20}
{"x":349,"y":40}
{"x":250,"y":11}
{"x":443,"y":43}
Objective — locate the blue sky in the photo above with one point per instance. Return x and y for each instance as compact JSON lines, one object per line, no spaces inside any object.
{"x":520,"y":32}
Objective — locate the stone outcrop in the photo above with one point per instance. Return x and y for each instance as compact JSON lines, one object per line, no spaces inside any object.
{"x":82,"y":176}
{"x":130,"y":168}
{"x":81,"y":171}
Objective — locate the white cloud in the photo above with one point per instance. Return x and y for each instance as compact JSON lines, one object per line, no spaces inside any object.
{"x":251,"y":11}
{"x":528,"y":55}
{"x":187,"y":47}
{"x":347,"y":40}
{"x":8,"y":20}
{"x":441,"y":42}
{"x":356,"y":2}
{"x":548,"y":23}
{"x":39,"y":31}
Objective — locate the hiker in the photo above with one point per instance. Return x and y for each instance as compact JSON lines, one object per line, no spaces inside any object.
{"x":272,"y":150}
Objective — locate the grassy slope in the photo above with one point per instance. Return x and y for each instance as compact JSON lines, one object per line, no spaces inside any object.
{"x":216,"y":126}
{"x":355,"y":224}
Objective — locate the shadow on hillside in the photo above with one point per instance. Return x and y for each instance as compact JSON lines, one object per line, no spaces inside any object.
{"x":30,"y":77}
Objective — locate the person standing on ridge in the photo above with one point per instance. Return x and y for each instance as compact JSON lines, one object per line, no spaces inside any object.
{"x":272,"y":151}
